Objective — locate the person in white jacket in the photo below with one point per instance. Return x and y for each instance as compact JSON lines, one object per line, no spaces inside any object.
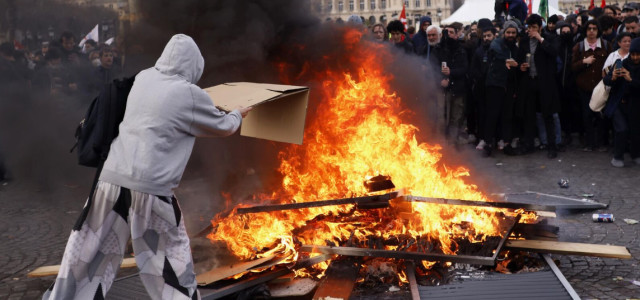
{"x":134,"y":198}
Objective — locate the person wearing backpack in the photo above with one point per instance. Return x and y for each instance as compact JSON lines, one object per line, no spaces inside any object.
{"x":134,"y":197}
{"x":588,"y":58}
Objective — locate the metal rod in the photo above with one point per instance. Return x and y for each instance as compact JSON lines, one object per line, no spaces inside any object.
{"x":289,"y":206}
{"x":353,"y":251}
{"x":411,"y":276}
{"x":506,"y":237}
{"x":511,"y":205}
{"x":560,"y":277}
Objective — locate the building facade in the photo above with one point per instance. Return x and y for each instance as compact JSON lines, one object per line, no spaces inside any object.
{"x":382,"y":11}
{"x":570,"y":6}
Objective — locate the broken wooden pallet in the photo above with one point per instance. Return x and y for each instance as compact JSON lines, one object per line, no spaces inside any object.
{"x":53,"y":270}
{"x":216,"y":293}
{"x":566,"y":248}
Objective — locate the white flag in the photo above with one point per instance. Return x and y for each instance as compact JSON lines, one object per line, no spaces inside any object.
{"x":109,"y":41}
{"x":92,"y":35}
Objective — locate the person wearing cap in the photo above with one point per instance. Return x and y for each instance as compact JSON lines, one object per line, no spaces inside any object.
{"x":500,"y":87}
{"x":588,"y":57}
{"x":419,"y":40}
{"x":551,"y":25}
{"x":623,"y":106}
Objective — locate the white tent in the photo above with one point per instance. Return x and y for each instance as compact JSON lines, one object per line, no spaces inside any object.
{"x":473,"y":10}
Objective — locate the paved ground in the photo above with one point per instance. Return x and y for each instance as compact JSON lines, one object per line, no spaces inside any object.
{"x":35,"y":220}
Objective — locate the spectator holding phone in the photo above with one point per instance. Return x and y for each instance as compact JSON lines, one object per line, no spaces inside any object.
{"x":623,"y":105}
{"x":624,"y":43}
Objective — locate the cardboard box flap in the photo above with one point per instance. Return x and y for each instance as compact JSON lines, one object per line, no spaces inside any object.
{"x":229,"y":97}
{"x":271,"y":87}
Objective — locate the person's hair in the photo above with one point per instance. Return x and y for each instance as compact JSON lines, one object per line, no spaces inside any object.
{"x":630,"y":19}
{"x":611,"y":7}
{"x":596,"y":12}
{"x":571,"y":19}
{"x":534,"y":19}
{"x":436,"y":27}
{"x":585,"y":28}
{"x":607,"y":22}
{"x":52,"y":54}
{"x":67,"y":35}
{"x":91,"y":42}
{"x":622,"y":35}
{"x":386,"y":35}
{"x":492,"y":29}
{"x":105,"y":50}
{"x":457,"y":26}
{"x":411,"y":30}
{"x":395,"y":26}
{"x":553,"y":19}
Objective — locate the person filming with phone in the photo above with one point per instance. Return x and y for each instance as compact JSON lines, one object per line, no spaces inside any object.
{"x":623,"y":106}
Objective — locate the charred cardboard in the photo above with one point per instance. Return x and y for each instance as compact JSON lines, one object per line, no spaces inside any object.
{"x":278,"y":114}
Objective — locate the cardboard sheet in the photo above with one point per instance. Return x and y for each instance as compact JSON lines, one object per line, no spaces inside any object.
{"x":279,"y":111}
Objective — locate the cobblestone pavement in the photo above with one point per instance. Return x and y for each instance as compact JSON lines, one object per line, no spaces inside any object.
{"x":35,"y":223}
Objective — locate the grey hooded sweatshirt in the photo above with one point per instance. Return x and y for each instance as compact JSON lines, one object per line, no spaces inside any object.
{"x":165,"y":112}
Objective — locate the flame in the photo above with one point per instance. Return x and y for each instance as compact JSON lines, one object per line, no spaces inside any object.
{"x":359,"y":130}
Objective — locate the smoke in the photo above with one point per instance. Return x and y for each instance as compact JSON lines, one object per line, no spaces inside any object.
{"x":272,"y":41}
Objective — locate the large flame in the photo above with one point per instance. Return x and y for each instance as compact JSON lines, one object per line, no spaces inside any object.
{"x":359,"y":130}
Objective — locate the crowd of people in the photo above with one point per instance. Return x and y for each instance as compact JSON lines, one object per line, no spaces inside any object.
{"x":525,"y":84}
{"x":59,"y":70}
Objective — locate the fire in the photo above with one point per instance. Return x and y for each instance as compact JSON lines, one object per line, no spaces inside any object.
{"x":359,"y":130}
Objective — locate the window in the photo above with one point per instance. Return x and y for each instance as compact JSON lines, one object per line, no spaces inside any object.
{"x":330,"y":6}
{"x":417,"y":3}
{"x":340,"y":5}
{"x":428,"y":3}
{"x":351,"y":5}
{"x":383,"y":4}
{"x":406,"y":3}
{"x":361,"y":4}
{"x":372,"y":4}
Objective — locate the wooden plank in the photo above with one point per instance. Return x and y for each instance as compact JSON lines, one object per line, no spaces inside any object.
{"x":569,"y":248}
{"x":207,"y":294}
{"x":230,"y":270}
{"x":339,"y":280}
{"x":356,"y":200}
{"x":353,"y":251}
{"x":411,"y":276}
{"x":53,"y":270}
{"x":546,"y":214}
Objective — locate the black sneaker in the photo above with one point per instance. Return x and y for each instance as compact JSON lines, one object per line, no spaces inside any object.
{"x":551,"y":154}
{"x":508,"y":150}
{"x":486,"y":151}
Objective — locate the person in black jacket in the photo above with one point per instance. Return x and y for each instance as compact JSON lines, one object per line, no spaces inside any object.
{"x":500,"y":87}
{"x":478,"y":75}
{"x":623,"y":105}
{"x":537,"y":58}
{"x":570,"y":113}
{"x":454,"y":65}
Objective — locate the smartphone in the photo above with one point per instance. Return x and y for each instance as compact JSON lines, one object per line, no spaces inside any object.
{"x":444,"y":64}
{"x":618,"y":64}
{"x":528,"y":58}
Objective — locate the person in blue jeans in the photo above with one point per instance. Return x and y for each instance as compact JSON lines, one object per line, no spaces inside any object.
{"x":623,"y":106}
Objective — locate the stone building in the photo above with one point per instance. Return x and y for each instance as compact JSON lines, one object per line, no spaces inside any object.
{"x":374,"y":11}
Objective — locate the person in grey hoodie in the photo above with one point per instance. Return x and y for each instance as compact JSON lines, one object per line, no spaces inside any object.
{"x":134,"y":197}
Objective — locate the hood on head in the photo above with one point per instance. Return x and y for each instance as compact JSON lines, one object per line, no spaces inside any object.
{"x":181,"y":56}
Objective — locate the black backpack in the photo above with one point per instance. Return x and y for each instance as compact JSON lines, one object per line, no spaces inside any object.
{"x":100,"y":125}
